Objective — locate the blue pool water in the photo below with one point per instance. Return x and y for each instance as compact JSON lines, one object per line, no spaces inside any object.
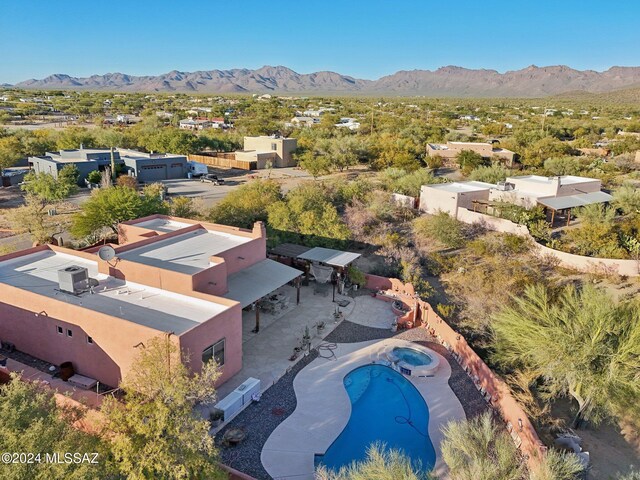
{"x":412,"y":356}
{"x":387,"y":408}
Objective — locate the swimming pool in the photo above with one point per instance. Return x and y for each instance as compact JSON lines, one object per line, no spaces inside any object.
{"x":412,"y":356}
{"x":385,"y":407}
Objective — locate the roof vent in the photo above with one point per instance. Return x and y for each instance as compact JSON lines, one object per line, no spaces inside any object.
{"x":73,"y":279}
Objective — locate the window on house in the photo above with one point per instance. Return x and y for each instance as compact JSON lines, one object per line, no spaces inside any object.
{"x":59,"y":329}
{"x":69,"y":333}
{"x":274,"y":146}
{"x":89,"y":340}
{"x":215,"y":351}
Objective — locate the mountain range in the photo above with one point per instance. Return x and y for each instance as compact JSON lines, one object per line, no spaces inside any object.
{"x":450,"y":81}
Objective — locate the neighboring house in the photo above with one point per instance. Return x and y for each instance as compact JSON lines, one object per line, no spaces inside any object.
{"x":448,"y":197}
{"x":304,"y":121}
{"x":86,"y":159}
{"x":146,"y":167}
{"x":195,"y":124}
{"x":177,"y":279}
{"x":319,"y":112}
{"x":264,"y":149}
{"x":202,"y":123}
{"x":552,"y":193}
{"x":350,"y":123}
{"x":450,"y":150}
{"x":154,"y":167}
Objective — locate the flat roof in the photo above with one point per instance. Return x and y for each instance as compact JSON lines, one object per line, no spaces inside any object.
{"x":258,"y":280}
{"x":461,"y":187}
{"x":186,"y":253}
{"x":162,"y":225}
{"x":336,"y":258}
{"x":152,"y":307}
{"x":573,"y":201}
{"x":564,"y":179}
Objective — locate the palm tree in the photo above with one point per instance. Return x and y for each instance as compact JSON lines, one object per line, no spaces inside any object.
{"x":380,"y":464}
{"x":581,"y":343}
{"x":477,"y":449}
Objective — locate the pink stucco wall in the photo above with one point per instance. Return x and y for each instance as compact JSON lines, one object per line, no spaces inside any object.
{"x":227,"y":325}
{"x":107,"y":359}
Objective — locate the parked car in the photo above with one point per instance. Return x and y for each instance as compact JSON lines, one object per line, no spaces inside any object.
{"x":211,"y":178}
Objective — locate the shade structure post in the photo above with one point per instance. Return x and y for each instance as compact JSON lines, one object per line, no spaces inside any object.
{"x":298,"y":291}
{"x":257,"y":328}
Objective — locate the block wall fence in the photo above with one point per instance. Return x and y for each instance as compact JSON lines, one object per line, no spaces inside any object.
{"x":423,"y":316}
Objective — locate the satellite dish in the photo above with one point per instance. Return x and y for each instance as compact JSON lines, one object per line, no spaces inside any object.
{"x":106,"y":253}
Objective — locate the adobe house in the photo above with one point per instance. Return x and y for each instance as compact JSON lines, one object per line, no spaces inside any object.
{"x":183,"y":280}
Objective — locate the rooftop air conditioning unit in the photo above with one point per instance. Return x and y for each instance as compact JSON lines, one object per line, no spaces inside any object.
{"x":73,"y":279}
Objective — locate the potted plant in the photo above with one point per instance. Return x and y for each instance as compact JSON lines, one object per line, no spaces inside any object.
{"x":306,"y":338}
{"x":320,"y":326}
{"x":216,"y":416}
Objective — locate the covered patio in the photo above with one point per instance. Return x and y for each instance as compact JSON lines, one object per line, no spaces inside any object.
{"x":256,"y":287}
{"x":562,"y":206}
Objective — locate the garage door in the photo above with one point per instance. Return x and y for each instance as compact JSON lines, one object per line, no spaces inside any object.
{"x":176,"y":170}
{"x":152,"y":173}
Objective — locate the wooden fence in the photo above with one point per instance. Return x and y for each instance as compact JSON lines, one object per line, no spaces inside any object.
{"x":224,"y":160}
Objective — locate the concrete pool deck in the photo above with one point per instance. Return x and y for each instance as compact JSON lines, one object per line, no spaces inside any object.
{"x":323,"y":409}
{"x":265,"y":355}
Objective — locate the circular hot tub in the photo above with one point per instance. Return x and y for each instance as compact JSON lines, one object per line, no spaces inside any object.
{"x":415,"y":361}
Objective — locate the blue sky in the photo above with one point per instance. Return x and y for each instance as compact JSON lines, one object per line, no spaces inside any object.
{"x":362,"y":38}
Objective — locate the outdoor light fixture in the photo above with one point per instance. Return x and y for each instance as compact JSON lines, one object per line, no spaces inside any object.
{"x":43,"y":313}
{"x":240,"y":258}
{"x":520,"y":424}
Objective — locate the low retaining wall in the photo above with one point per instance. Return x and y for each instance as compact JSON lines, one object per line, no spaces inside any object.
{"x":521,"y":429}
{"x":629,"y":268}
{"x":492,"y":223}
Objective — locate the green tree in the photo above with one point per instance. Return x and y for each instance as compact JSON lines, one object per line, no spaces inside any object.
{"x":155,"y":433}
{"x":489,"y":174}
{"x":582,"y":343}
{"x":183,"y":207}
{"x":627,"y":199}
{"x":477,"y":449}
{"x":397,"y":180}
{"x":10,"y":152}
{"x":107,"y":207}
{"x":32,"y":422}
{"x":442,"y":228}
{"x":468,"y":160}
{"x":316,"y":165}
{"x":306,"y":213}
{"x":43,"y":190}
{"x":380,"y":464}
{"x":247,"y":204}
{"x":74,"y":137}
{"x":563,"y":165}
{"x":47,"y":189}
